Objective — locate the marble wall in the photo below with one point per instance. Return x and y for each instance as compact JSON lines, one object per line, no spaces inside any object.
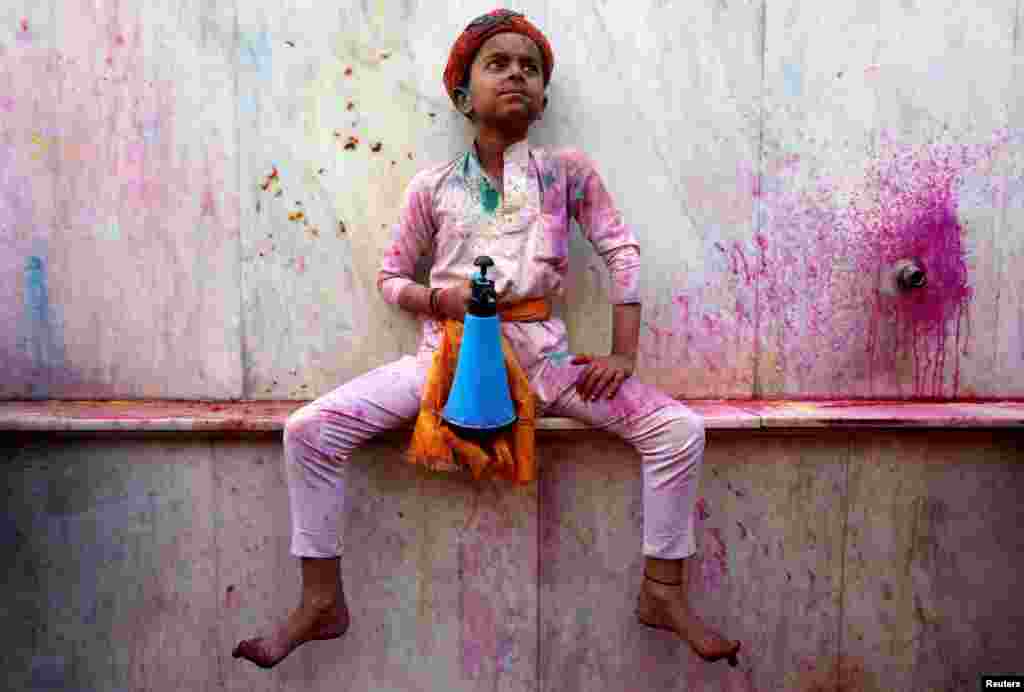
{"x":843,"y":560}
{"x":184,"y":215}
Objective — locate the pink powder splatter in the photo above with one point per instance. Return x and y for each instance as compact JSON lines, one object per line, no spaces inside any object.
{"x":916,"y":217}
{"x":702,"y":509}
{"x":809,"y":287}
{"x":713,"y":564}
{"x":209,"y":207}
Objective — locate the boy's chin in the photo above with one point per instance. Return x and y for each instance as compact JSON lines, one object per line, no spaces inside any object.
{"x":512,"y":121}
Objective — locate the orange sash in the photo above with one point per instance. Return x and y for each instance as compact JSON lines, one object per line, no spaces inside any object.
{"x":510,"y":456}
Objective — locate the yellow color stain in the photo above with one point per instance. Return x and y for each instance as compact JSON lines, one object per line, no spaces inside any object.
{"x":804,"y":408}
{"x":42,"y":143}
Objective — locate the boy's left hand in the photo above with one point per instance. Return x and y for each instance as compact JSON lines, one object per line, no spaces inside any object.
{"x":604,"y":376}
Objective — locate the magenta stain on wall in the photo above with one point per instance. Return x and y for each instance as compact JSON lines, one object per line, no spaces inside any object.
{"x":811,"y":288}
{"x":477,"y":631}
{"x":916,"y":217}
{"x":480,"y":557}
{"x":714,"y":566}
{"x":713,"y":560}
{"x":701,"y":509}
{"x":209,"y":205}
{"x":24,"y":34}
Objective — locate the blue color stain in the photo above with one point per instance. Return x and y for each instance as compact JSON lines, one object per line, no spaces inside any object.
{"x":792,"y":80}
{"x":257,"y":52}
{"x":37,"y":301}
{"x":506,"y":653}
{"x":10,"y":536}
{"x":96,"y":535}
{"x":48,"y":673}
{"x":247,"y":104}
{"x":40,"y":340}
{"x":150,"y":130}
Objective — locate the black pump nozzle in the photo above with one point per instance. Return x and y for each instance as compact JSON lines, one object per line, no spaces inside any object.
{"x":484,"y":302}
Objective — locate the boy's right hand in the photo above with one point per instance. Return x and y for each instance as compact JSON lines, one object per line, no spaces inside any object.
{"x":454,"y":301}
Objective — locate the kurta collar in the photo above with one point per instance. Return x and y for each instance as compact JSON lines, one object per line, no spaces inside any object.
{"x":514,"y":173}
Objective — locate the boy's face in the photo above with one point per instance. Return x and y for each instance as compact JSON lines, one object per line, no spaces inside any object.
{"x":507,"y":82}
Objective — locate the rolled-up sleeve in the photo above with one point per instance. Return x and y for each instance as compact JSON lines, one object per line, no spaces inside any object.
{"x":602,"y":225}
{"x":411,"y":239}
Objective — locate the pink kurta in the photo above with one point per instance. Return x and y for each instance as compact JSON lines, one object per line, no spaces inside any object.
{"x":454,"y":213}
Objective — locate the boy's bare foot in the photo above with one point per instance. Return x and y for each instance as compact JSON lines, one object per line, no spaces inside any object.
{"x":305,"y":623}
{"x":665,"y":607}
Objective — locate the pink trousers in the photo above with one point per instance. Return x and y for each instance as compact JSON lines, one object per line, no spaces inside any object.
{"x":321,"y":436}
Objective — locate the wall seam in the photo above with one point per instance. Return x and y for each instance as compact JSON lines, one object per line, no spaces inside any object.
{"x":47,"y":348}
{"x":1016,"y":28}
{"x":756,"y":378}
{"x":217,"y":575}
{"x":845,"y":512}
{"x":242,"y":342}
{"x":540,"y":529}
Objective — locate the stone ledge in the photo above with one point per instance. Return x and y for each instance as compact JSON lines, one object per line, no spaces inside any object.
{"x":269,"y":416}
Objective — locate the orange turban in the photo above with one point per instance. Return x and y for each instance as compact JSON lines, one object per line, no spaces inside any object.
{"x":481,"y":29}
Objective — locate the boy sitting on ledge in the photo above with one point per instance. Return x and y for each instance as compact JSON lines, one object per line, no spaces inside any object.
{"x":511,"y":202}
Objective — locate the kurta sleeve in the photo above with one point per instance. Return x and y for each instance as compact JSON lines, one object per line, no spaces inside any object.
{"x":602,"y":225}
{"x":411,"y":238}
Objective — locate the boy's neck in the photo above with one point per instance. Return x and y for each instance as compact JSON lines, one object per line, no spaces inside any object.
{"x":490,"y":149}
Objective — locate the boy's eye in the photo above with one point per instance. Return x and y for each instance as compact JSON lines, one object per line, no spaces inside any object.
{"x":502,"y":63}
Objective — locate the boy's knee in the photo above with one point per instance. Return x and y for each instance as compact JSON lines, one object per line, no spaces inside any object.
{"x":689,"y":426}
{"x":303,"y":424}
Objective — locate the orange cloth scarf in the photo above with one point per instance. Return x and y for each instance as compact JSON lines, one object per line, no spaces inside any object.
{"x":434,"y":444}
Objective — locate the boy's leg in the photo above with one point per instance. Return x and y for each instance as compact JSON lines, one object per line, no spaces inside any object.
{"x":321,"y":436}
{"x":670,"y":439}
{"x":319,"y":439}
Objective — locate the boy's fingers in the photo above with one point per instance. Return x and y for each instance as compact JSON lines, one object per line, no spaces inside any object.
{"x":581,"y":381}
{"x":615,"y":384}
{"x":596,"y":384}
{"x":584,"y":383}
{"x":605,"y":384}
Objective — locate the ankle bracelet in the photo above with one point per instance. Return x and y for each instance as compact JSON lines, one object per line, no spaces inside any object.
{"x":665,"y":583}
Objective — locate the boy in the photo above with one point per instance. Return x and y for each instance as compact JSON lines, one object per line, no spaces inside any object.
{"x":512,"y":203}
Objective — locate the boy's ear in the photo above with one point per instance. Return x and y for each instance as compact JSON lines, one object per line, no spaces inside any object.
{"x":463,"y":102}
